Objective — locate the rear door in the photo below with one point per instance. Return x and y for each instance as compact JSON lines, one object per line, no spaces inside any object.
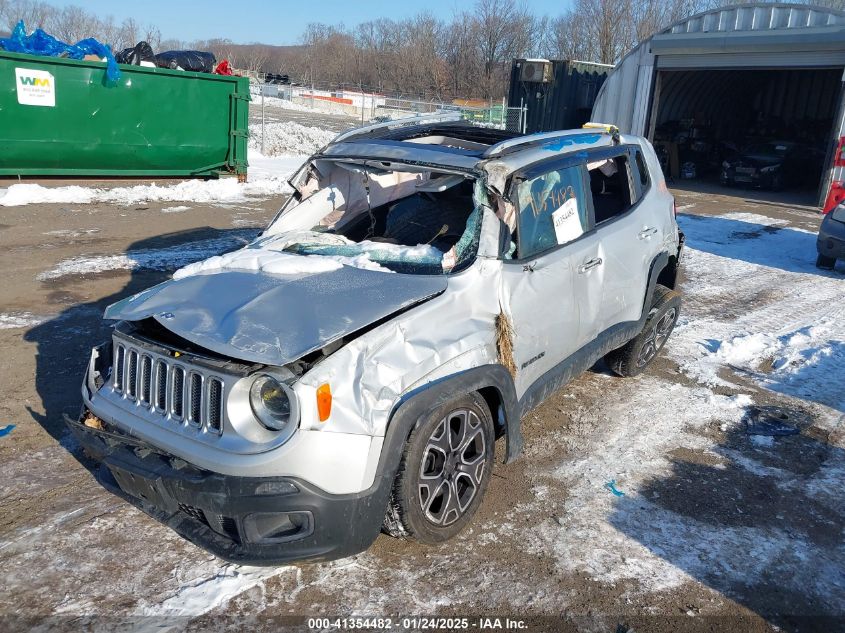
{"x":629,"y":232}
{"x":540,"y":285}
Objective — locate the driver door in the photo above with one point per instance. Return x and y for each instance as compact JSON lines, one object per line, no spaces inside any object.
{"x":541,"y":287}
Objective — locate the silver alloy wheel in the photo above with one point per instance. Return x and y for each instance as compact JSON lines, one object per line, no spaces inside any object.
{"x":657,"y":337}
{"x":452,"y":467}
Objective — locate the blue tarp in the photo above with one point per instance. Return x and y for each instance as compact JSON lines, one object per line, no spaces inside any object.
{"x":41,"y":43}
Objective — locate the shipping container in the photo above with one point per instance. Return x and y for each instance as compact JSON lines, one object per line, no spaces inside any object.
{"x":557,"y":94}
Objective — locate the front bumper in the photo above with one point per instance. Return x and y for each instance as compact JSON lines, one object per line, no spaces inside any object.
{"x":831,"y":240}
{"x":248,"y":520}
{"x":756,"y":178}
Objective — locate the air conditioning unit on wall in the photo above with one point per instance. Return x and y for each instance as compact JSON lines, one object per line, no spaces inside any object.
{"x":536,"y":70}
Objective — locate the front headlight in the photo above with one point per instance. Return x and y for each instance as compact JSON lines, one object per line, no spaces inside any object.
{"x":838,"y":213}
{"x":274,"y":403}
{"x":770,"y":170}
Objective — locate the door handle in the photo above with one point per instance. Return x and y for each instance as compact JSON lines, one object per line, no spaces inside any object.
{"x":647,"y":232}
{"x":590,"y":264}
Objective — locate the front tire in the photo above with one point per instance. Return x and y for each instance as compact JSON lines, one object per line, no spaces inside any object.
{"x":632,"y":358}
{"x":444,"y":472}
{"x":825,"y":263}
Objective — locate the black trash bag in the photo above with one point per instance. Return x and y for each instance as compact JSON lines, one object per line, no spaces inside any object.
{"x":196,"y":61}
{"x":141,"y":52}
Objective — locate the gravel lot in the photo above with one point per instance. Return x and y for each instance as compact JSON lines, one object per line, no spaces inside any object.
{"x":718,"y":529}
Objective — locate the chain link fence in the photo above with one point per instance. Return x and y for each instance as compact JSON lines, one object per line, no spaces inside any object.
{"x":373,"y":106}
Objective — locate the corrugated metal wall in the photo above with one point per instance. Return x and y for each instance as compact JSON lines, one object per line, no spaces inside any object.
{"x":625,"y":98}
{"x":760,"y":17}
{"x":791,"y":95}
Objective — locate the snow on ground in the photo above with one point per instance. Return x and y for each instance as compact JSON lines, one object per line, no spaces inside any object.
{"x":791,"y":337}
{"x":275,"y":102}
{"x":755,"y":307}
{"x":268,"y":178}
{"x":167,"y":258}
{"x":659,"y":542}
{"x":287,"y":138}
{"x":211,"y":590}
{"x":702,"y":501}
{"x":15,"y":320}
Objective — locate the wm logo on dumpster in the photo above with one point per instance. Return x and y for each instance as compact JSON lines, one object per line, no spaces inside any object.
{"x":35,"y":87}
{"x":35,"y":81}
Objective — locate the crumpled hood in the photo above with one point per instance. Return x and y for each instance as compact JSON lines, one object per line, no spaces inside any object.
{"x":275,"y":319}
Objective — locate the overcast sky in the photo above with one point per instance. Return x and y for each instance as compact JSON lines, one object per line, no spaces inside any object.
{"x":245,"y":21}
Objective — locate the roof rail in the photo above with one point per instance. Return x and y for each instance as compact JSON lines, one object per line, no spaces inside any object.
{"x":414,"y":120}
{"x":531,"y":139}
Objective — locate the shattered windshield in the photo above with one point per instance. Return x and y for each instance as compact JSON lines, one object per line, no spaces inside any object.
{"x":381,"y":216}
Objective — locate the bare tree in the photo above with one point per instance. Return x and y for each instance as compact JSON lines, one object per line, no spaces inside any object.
{"x":34,"y":14}
{"x":468,"y":55}
{"x":502,"y":32}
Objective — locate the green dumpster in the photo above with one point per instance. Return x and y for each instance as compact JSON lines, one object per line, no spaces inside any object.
{"x":58,"y":117}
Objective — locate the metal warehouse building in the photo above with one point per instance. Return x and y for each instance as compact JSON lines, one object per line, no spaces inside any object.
{"x":733,"y":76}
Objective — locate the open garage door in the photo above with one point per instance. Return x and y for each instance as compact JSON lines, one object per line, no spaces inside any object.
{"x":767,"y":128}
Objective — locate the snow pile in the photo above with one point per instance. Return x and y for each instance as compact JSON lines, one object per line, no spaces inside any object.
{"x":286,"y":146}
{"x":267,"y":177}
{"x":258,"y":260}
{"x":277,"y":262}
{"x":287,"y":138}
{"x":333,"y":245}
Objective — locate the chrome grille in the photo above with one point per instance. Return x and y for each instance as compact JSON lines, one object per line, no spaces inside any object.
{"x":146,"y":378}
{"x":161,"y":386}
{"x":132,"y":374}
{"x":195,"y":391}
{"x":119,"y":361}
{"x":177,"y":392}
{"x":168,"y":388}
{"x":215,"y":405}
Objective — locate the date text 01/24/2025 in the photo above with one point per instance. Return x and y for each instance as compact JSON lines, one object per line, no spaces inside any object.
{"x":418,"y":623}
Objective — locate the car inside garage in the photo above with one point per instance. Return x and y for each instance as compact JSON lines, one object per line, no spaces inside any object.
{"x":766,"y":129}
{"x":746,"y":98}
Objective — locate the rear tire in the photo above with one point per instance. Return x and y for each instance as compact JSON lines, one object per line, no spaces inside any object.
{"x":632,"y":358}
{"x":444,"y":472}
{"x":825,"y":263}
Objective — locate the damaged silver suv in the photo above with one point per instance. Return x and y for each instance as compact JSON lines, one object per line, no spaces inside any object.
{"x":427,"y":284}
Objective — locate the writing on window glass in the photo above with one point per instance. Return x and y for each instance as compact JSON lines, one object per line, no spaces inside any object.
{"x":549,"y":200}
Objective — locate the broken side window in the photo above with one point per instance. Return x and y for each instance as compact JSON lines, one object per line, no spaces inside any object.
{"x":611,"y":186}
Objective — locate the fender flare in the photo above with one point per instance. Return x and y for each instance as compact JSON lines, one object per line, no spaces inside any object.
{"x":660,"y":262}
{"x":414,"y":407}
